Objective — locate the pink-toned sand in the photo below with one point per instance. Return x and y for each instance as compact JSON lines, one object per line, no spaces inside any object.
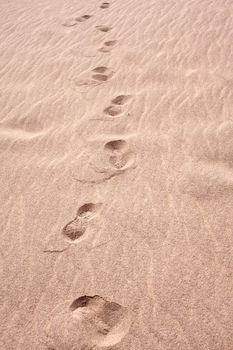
{"x":116,"y":140}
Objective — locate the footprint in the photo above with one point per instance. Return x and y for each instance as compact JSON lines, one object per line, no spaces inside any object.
{"x":74,"y":21}
{"x":80,"y":302}
{"x":112,"y":111}
{"x":122,"y":161}
{"x":114,"y":158}
{"x":116,"y":145}
{"x":100,"y":77}
{"x":120,"y":156}
{"x":83,"y":18}
{"x":70,"y":23}
{"x":108,"y":322}
{"x":100,"y":69}
{"x":104,"y":29}
{"x":74,"y":230}
{"x":121,"y":99}
{"x":77,"y":227}
{"x":87,"y":210}
{"x":104,"y":49}
{"x":105,"y":5}
{"x":103,"y":75}
{"x":108,"y":45}
{"x":88,"y":322}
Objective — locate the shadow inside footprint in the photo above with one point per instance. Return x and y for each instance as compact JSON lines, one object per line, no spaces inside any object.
{"x":110,"y":43}
{"x":100,"y":77}
{"x":116,"y":145}
{"x":87,"y":210}
{"x":103,"y":28}
{"x":105,"y":5}
{"x":104,"y":49}
{"x":82,"y":18}
{"x":80,"y":302}
{"x":121,"y":99}
{"x":101,"y":69}
{"x":112,"y":111}
{"x":104,"y":73}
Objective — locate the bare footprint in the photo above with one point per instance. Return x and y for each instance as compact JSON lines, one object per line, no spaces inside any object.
{"x":103,"y":28}
{"x":105,"y":5}
{"x":77,"y":227}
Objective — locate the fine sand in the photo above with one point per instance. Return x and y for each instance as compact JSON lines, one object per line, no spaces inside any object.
{"x":116,"y":140}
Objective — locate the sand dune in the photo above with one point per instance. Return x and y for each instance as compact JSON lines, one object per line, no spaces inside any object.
{"x":116,"y":139}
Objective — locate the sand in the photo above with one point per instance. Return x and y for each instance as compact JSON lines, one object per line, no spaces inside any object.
{"x":116,"y":140}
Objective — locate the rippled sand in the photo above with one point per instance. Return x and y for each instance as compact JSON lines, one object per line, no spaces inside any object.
{"x":116,"y":140}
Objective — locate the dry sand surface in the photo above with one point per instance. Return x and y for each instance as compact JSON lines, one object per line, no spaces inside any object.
{"x":116,"y":138}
